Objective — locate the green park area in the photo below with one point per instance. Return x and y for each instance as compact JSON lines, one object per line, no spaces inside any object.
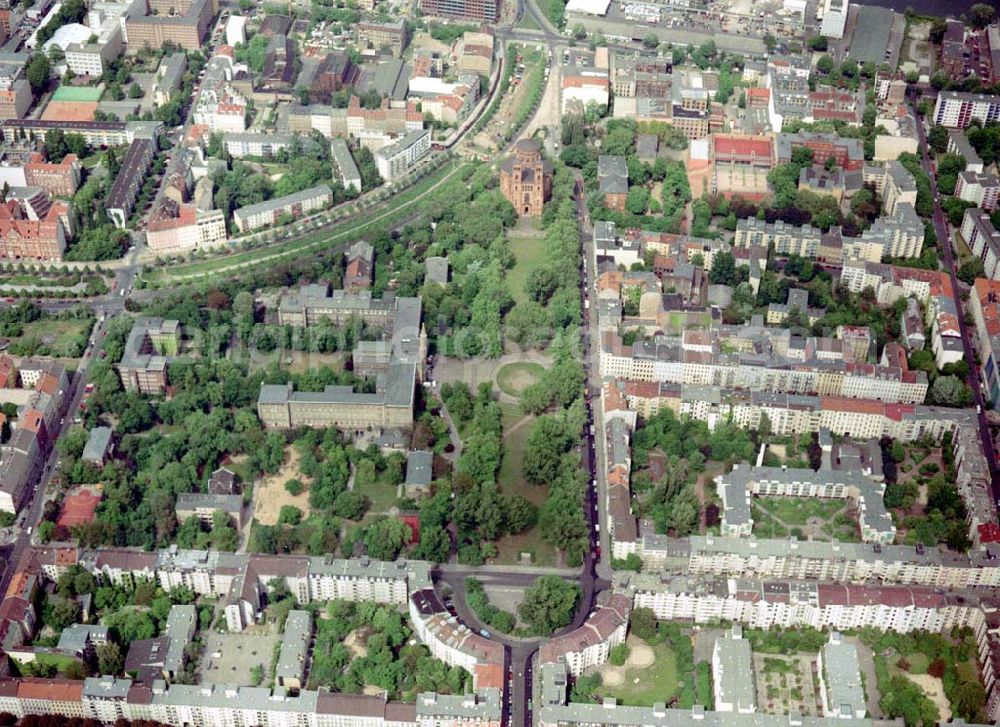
{"x":651,"y":678}
{"x":513,"y":378}
{"x":517,"y":428}
{"x":527,"y":251}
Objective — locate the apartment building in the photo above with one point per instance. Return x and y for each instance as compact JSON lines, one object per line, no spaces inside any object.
{"x":178,"y":228}
{"x":766,"y":604}
{"x":738,"y":486}
{"x":984,"y":301}
{"x":892,"y":282}
{"x":485,"y":11}
{"x":293,"y":653}
{"x":388,"y":35}
{"x":58,"y":180}
{"x":33,"y":229}
{"x":15,"y":98}
{"x":221,"y":108}
{"x":184,"y":23}
{"x":779,"y":559}
{"x":454,"y":643}
{"x":396,"y":159}
{"x":36,"y":386}
{"x":981,"y":189}
{"x":109,"y":699}
{"x":958,"y":143}
{"x":150,"y":345}
{"x":983,"y":240}
{"x":733,"y":679}
{"x":894,"y":184}
{"x":264,"y":214}
{"x":242,"y":144}
{"x":589,"y":645}
{"x":957,"y":109}
{"x":841,"y":686}
{"x":95,"y":133}
{"x":344,"y":166}
{"x":130,"y":179}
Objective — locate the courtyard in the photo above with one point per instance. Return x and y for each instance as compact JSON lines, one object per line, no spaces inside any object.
{"x":239,"y":658}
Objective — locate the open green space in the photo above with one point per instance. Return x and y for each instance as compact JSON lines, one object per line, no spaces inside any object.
{"x":62,"y":338}
{"x":512,"y":482}
{"x":645,"y":686}
{"x":527,"y":253}
{"x":381,"y":493}
{"x":798,"y":510}
{"x":513,"y":378}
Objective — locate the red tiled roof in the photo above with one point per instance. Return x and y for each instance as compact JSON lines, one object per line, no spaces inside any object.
{"x":735,"y":145}
{"x":54,"y":690}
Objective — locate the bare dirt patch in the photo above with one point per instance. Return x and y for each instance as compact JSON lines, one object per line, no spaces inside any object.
{"x":355,"y":644}
{"x":271,"y":494}
{"x":934,"y":691}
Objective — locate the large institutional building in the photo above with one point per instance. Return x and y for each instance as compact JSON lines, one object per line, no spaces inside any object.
{"x":395,"y":361}
{"x":526,"y":178}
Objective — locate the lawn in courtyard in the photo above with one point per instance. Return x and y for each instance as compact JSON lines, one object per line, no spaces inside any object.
{"x":647,"y":685}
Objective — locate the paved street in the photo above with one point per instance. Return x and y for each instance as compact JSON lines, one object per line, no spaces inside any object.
{"x":946,"y":248}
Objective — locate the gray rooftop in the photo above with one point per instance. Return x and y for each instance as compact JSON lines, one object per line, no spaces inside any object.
{"x":270,"y":205}
{"x":97,"y":445}
{"x":294,"y":646}
{"x":612,"y":174}
{"x":191,"y":501}
{"x":733,"y":672}
{"x":845,"y":695}
{"x":181,"y":624}
{"x":419,"y":468}
{"x":77,"y":637}
{"x":871,"y":34}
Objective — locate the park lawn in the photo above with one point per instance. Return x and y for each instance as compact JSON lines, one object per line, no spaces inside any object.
{"x":511,"y":479}
{"x":527,"y":256}
{"x":513,"y":378}
{"x":380,"y":493}
{"x":512,"y":482}
{"x":644,"y":687}
{"x":57,"y":337}
{"x":798,"y":510}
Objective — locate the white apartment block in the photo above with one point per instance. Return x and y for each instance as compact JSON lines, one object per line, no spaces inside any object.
{"x":92,"y":59}
{"x":396,"y":159}
{"x":590,"y":645}
{"x":834,"y":18}
{"x":768,"y":604}
{"x":956,"y":109}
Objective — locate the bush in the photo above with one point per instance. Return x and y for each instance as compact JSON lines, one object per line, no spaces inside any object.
{"x":294,"y":487}
{"x":619,"y":654}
